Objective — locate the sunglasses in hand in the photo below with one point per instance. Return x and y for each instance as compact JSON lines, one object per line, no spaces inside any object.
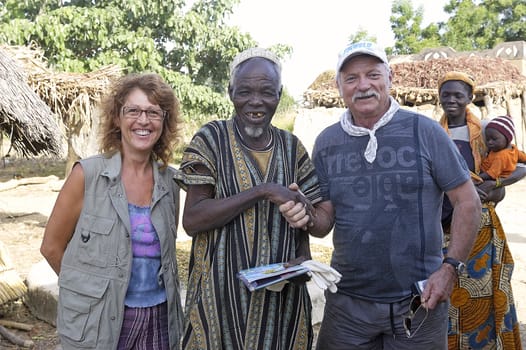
{"x":415,"y":306}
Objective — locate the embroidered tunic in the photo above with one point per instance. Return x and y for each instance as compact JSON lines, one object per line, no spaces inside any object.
{"x":221,"y":313}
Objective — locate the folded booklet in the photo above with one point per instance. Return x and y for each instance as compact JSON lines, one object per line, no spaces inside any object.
{"x":266,"y":275}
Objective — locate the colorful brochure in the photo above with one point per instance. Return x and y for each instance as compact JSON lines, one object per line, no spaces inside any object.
{"x":266,"y":275}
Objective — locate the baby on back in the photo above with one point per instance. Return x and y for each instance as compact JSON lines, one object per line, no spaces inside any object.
{"x":503,"y":156}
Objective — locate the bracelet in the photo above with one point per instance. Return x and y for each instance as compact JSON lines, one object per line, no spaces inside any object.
{"x":498,"y":183}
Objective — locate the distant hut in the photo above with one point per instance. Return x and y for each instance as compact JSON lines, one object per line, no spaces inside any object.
{"x":500,"y":87}
{"x":498,"y":84}
{"x":28,"y":122}
{"x":73,"y":97}
{"x":33,"y":130}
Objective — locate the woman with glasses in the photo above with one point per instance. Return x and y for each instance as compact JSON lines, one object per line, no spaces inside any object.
{"x":482,"y":312}
{"x":111,"y":235}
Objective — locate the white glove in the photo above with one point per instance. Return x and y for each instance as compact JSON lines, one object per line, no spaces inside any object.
{"x":323,"y":275}
{"x":277,"y":287}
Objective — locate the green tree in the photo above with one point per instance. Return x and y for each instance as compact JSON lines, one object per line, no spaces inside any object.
{"x":472,"y":25}
{"x":406,"y":23}
{"x":513,"y":20}
{"x":191,"y":47}
{"x":361,"y":35}
{"x":483,"y":24}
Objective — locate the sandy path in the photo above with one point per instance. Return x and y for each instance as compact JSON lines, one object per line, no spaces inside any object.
{"x":24,"y":211}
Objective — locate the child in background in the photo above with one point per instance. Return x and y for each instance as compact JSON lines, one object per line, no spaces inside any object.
{"x":503,"y":156}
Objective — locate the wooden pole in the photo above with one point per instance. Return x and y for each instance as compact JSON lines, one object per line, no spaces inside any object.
{"x":14,"y":339}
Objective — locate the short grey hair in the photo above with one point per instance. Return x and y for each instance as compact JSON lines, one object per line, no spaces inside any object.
{"x":253,"y":53}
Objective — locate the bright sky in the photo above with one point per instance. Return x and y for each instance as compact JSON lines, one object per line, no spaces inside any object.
{"x":318,"y":30}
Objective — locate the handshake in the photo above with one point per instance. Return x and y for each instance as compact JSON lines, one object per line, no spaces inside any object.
{"x":323,"y":275}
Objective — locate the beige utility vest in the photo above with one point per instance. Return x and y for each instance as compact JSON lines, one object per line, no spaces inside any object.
{"x":96,"y":266}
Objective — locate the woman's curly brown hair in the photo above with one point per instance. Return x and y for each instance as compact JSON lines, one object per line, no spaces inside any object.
{"x":158,"y":92}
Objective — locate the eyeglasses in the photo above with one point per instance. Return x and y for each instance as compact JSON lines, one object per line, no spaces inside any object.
{"x":414,"y":306}
{"x":134,"y":112}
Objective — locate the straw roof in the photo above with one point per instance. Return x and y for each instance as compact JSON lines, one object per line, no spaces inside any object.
{"x":72,"y":97}
{"x":415,"y":82}
{"x":24,"y":117}
{"x":12,"y":286}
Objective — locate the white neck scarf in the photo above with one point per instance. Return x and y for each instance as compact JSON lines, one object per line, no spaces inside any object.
{"x":353,"y":130}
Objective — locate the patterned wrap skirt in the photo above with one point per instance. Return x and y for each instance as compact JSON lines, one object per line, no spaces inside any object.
{"x":482,"y":312}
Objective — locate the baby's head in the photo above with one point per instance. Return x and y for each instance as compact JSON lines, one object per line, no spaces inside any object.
{"x":499,"y":133}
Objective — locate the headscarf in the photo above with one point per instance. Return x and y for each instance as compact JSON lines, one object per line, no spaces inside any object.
{"x":459,"y":76}
{"x":476,"y":137}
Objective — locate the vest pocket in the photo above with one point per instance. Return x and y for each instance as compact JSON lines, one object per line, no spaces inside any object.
{"x":80,"y":307}
{"x":93,"y":233}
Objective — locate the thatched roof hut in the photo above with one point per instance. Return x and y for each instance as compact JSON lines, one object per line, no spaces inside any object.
{"x":415,"y":82}
{"x":73,"y":97}
{"x":24,"y":117}
{"x":500,"y":88}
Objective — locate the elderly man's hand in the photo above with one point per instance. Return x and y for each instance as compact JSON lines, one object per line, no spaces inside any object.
{"x":298,"y":213}
{"x":439,"y":286}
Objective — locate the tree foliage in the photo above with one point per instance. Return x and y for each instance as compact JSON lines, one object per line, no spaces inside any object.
{"x":406,"y":23}
{"x":361,"y":35}
{"x":483,"y":24}
{"x":472,"y":25}
{"x":191,"y":47}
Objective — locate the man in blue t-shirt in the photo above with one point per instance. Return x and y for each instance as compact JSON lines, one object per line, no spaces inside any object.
{"x":383,"y":172}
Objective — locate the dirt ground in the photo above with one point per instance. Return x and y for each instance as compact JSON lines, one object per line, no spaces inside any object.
{"x":23,"y":215}
{"x":24,"y":211}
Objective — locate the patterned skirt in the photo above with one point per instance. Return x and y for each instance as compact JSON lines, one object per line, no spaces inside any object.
{"x":482,"y":312}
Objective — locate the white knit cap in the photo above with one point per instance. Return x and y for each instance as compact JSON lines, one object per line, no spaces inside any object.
{"x":251,"y":53}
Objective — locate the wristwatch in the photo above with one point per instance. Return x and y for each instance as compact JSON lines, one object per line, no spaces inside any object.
{"x":458,"y":265}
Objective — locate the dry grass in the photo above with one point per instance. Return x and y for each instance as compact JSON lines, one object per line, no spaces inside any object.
{"x":285,"y":120}
{"x":183,"y":259}
{"x":321,"y":253}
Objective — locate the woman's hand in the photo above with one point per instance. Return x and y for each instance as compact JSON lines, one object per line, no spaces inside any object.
{"x":488,"y":190}
{"x":489,"y":193}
